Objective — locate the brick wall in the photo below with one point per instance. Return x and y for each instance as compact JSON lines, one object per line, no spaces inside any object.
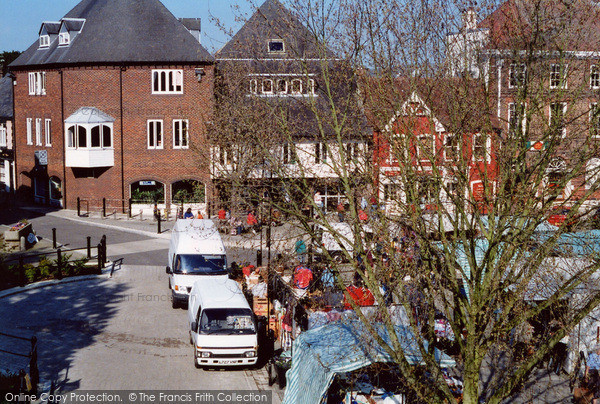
{"x":100,"y":87}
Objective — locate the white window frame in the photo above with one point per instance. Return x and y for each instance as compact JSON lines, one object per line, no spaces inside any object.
{"x":511,"y":112}
{"x":64,"y":39}
{"x":419,"y":145}
{"x":153,"y":123}
{"x":594,"y":77}
{"x":169,"y":79}
{"x":264,"y":81}
{"x":292,"y":91}
{"x":286,"y":86}
{"x":321,"y":153}
{"x":48,"y":132}
{"x":558,"y":75}
{"x":3,"y":140}
{"x":289,"y":155}
{"x":486,"y":148}
{"x":595,"y":126}
{"x":352,"y":151}
{"x":455,"y":147}
{"x":273,"y":41}
{"x":253,"y":86}
{"x":311,"y":86}
{"x":186,"y":134}
{"x":517,"y":74}
{"x":44,"y":41}
{"x":37,"y":83}
{"x":88,"y":136}
{"x":564,"y":114}
{"x":38,"y":131}
{"x":29,"y":131}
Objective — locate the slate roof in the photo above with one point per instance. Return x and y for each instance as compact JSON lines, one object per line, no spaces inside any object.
{"x":6,"y":98}
{"x":52,"y":27}
{"x":120,"y":31}
{"x":271,"y":21}
{"x":555,"y":25}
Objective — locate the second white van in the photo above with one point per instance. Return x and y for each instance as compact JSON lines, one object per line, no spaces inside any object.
{"x":196,"y":251}
{"x":222,"y":326}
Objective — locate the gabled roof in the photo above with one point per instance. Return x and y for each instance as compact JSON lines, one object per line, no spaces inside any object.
{"x":452,"y":104}
{"x":272,"y":21}
{"x":544,"y":25}
{"x":6,"y":98}
{"x":120,"y":31}
{"x":52,"y":27}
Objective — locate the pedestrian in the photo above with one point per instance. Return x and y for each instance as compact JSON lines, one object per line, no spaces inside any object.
{"x":592,"y":375}
{"x":200,"y":216}
{"x":188,"y":214}
{"x":222,"y":214}
{"x":300,"y":249}
{"x":340,"y":211}
{"x":362,"y":215}
{"x":252,"y":221}
{"x":318,"y":199}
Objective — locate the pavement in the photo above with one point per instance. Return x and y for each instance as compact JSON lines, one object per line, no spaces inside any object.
{"x":98,"y":332}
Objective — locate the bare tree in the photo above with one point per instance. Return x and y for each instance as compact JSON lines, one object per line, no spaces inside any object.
{"x":465,"y":171}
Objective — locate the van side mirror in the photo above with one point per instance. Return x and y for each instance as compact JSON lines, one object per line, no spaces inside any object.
{"x":168,"y":270}
{"x":194,"y":326}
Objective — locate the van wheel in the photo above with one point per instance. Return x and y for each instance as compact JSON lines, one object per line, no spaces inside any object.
{"x":174,"y":303}
{"x":191,"y":340}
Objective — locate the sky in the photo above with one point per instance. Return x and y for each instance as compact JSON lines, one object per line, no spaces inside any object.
{"x":20,"y":20}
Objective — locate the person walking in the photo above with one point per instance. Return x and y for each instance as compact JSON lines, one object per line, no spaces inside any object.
{"x":300,"y":250}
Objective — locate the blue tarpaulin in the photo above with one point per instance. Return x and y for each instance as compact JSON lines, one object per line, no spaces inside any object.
{"x":322,"y":352}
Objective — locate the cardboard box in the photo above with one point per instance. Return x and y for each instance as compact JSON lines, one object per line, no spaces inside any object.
{"x":260,"y":306}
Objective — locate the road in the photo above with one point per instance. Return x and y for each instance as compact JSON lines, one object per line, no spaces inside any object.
{"x":118,"y":333}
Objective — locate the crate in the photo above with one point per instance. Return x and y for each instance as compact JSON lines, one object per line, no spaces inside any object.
{"x":260,"y":306}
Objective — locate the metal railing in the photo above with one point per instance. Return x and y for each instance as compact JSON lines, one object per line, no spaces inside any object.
{"x":28,"y":381}
{"x":60,"y":261}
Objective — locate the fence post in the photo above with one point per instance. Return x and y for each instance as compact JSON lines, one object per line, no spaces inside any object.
{"x":89,"y":247}
{"x":129,"y":208}
{"x":54,"y":238}
{"x":103,"y":241}
{"x":100,"y":266}
{"x":33,"y":367}
{"x":103,"y":207}
{"x":59,"y":263}
{"x":158,"y":224}
{"x":21,"y":272}
{"x":78,"y":206}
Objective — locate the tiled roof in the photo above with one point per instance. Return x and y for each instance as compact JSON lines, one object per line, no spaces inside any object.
{"x":547,"y":25}
{"x":458,"y":104}
{"x":120,"y":31}
{"x":6,"y":98}
{"x":272,"y":21}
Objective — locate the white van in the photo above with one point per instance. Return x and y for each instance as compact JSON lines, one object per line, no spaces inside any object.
{"x":196,"y":250}
{"x":222,"y":326}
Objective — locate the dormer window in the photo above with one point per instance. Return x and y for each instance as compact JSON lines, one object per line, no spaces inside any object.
{"x":44,"y":41}
{"x":64,"y":39}
{"x":276,"y":46}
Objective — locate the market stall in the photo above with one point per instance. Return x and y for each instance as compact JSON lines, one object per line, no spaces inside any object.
{"x":322,"y":352}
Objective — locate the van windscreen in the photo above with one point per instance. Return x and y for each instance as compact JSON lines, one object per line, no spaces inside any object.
{"x":193,"y":264}
{"x":227,"y":322}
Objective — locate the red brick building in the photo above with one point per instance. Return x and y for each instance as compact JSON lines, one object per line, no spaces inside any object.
{"x":112,"y":102}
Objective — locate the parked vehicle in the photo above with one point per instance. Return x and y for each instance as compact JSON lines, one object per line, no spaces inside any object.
{"x":222,"y":326}
{"x":345,"y":233}
{"x":196,"y":250}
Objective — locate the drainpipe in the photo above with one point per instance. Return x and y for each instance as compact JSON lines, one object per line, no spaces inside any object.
{"x":64,"y":148}
{"x":13,"y":182}
{"x":121,"y":70}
